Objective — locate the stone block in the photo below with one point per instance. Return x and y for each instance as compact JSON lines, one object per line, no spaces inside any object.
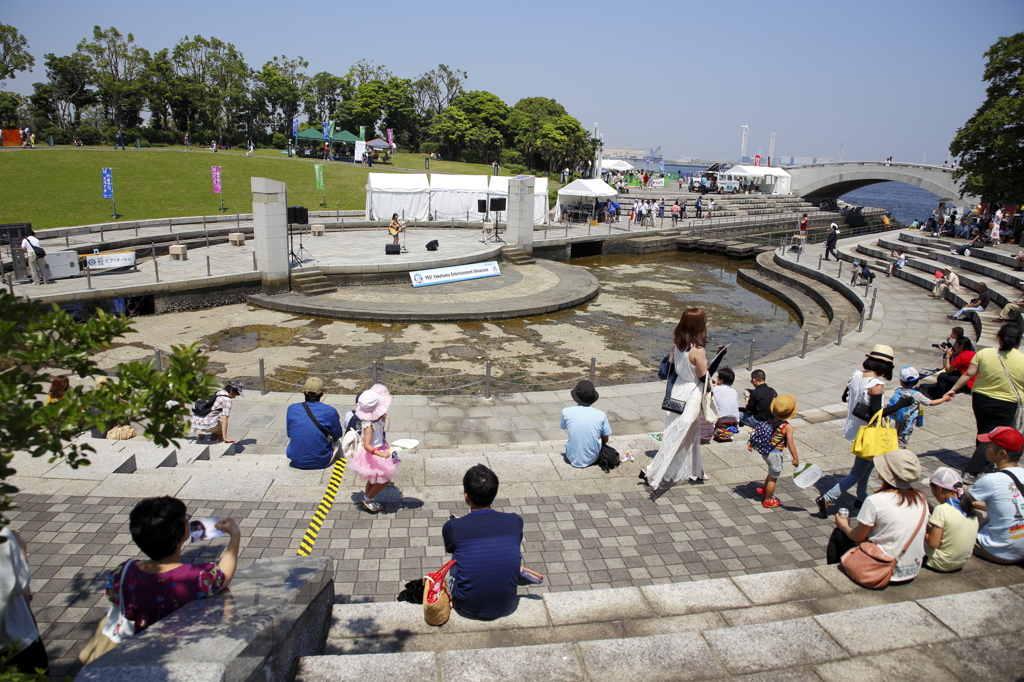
{"x":234,"y":487}
{"x":884,"y":628}
{"x":101,"y":464}
{"x":402,"y":667}
{"x":624,"y":603}
{"x":680,"y":656}
{"x":768,"y":646}
{"x":530,"y":613}
{"x":375,"y":619}
{"x":695,"y":597}
{"x":143,"y":483}
{"x":782,"y":586}
{"x":317,"y":230}
{"x":236,"y":238}
{"x":979,"y":614}
{"x":541,"y":662}
{"x":178,"y":252}
{"x":892,"y":665}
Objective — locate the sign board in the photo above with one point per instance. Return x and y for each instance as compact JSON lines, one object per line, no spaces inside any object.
{"x":215,"y":173}
{"x":319,"y":169}
{"x":108,"y":183}
{"x":111,"y":259}
{"x":656,"y":182}
{"x":457,"y":273}
{"x":360,"y":148}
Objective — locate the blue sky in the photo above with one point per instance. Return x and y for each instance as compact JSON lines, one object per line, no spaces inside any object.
{"x":893,"y":78}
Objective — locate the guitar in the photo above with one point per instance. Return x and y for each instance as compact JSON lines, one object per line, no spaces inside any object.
{"x":394,"y":230}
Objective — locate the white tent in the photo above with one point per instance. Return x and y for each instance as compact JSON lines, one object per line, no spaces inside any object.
{"x":615,"y":165}
{"x":772,"y":180}
{"x":454,"y":197}
{"x":541,"y":212}
{"x":585,"y":192}
{"x":407,"y":194}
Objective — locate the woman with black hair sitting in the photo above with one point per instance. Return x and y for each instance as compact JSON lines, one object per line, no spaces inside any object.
{"x":155,"y":588}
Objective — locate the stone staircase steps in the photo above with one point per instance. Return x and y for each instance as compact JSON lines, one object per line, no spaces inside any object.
{"x":311,"y":281}
{"x":806,"y":621}
{"x":515,"y":256}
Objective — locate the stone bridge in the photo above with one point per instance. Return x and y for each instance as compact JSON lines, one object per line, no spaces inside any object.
{"x":832,"y":180}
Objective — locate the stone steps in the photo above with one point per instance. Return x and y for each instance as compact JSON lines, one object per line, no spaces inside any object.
{"x":515,"y":256}
{"x":804,"y":622}
{"x":310,"y":281}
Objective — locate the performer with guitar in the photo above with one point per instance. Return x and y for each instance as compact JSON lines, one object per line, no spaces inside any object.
{"x":395,"y":228}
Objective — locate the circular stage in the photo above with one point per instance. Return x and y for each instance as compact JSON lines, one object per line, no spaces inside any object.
{"x":520,"y":291}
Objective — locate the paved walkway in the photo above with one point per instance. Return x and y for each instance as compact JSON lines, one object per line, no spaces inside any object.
{"x":583,"y":529}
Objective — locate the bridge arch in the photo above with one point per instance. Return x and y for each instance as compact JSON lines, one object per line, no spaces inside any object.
{"x":836,"y":179}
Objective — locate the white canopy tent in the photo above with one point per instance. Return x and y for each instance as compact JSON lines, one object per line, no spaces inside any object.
{"x":454,"y":197}
{"x":407,"y":194}
{"x":499,"y":188}
{"x":583,"y":192}
{"x":615,"y":165}
{"x":772,"y":180}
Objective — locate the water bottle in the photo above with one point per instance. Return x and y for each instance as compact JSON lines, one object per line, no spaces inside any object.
{"x":920,"y":416}
{"x":843,"y":513}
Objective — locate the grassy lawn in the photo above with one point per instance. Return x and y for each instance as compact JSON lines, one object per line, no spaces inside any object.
{"x":61,"y":187}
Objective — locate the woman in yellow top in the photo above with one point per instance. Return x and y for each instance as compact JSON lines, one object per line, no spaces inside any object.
{"x":58,"y":388}
{"x":998,"y":390}
{"x":395,"y":227}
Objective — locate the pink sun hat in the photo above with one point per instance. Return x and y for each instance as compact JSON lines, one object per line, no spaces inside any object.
{"x":373,"y":403}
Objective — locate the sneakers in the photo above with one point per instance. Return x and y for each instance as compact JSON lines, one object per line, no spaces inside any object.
{"x":760,"y":490}
{"x":822,"y":506}
{"x":771,"y":504}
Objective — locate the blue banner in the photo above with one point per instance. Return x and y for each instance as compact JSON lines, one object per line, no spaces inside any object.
{"x":327,"y":131}
{"x":661,"y":166}
{"x":108,"y":184}
{"x":295,"y":127}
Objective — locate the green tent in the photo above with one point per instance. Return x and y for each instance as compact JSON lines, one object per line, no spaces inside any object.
{"x":344,"y":136}
{"x":312,"y":134}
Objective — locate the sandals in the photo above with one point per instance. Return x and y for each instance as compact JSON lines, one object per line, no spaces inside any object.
{"x":371,"y":506}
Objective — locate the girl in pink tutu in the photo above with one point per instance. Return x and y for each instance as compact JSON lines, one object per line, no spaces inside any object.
{"x":373,"y":461}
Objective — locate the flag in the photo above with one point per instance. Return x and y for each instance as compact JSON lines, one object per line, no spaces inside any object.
{"x":108,"y":183}
{"x":319,"y":175}
{"x":661,"y":166}
{"x":215,"y":174}
{"x":362,"y":132}
{"x":327,"y":135}
{"x":295,"y":127}
{"x":391,"y":137}
{"x":330,"y":128}
{"x":757,"y":159}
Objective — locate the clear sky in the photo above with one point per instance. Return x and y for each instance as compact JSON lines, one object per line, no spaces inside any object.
{"x":884,"y":78}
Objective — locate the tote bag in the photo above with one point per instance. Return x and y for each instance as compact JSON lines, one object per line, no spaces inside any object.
{"x":875,"y":438}
{"x":437,"y":602}
{"x":870,"y":567}
{"x":112,"y":630}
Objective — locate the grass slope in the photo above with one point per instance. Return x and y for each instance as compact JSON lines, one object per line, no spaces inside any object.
{"x":61,"y":187}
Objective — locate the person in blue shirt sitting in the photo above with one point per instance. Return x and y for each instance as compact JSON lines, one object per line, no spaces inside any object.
{"x":587,"y":426}
{"x":486,"y":546}
{"x":312,"y":429}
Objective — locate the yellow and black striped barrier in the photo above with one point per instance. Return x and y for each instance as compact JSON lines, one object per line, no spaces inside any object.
{"x":320,"y":515}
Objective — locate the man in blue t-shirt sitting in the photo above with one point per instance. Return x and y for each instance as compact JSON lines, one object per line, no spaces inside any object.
{"x":587,"y":426}
{"x":486,"y":547}
{"x":312,"y":429}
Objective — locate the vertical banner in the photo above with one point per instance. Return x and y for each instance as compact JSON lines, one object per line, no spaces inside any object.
{"x":330,"y":128}
{"x":108,"y":183}
{"x":360,"y":149}
{"x":319,"y":175}
{"x":215,"y":173}
{"x":362,"y":133}
{"x":661,"y":166}
{"x":295,"y":127}
{"x":757,"y":159}
{"x":327,"y":134}
{"x":391,"y":137}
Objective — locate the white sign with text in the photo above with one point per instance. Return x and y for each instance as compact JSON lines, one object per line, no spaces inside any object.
{"x":117,"y":259}
{"x":457,"y":273}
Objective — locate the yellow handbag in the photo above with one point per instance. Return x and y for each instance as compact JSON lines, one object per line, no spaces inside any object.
{"x":875,"y":438}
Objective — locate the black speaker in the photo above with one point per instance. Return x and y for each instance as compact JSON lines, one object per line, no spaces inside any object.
{"x":498,"y":204}
{"x":481,"y":205}
{"x":298,"y":215}
{"x":432,"y":245}
{"x":392,"y":249}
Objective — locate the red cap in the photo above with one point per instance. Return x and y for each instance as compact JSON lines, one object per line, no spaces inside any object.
{"x":1005,"y":437}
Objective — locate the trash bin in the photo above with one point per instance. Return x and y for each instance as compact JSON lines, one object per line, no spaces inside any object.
{"x":138,"y":143}
{"x":49,"y":139}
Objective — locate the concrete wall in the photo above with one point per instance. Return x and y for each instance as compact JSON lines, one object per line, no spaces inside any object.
{"x":270,"y":228}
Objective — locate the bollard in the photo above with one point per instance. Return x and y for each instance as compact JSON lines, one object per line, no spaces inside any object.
{"x":67,"y":241}
{"x":867,"y":285}
{"x":263,"y":379}
{"x":88,"y":274}
{"x":238,"y":220}
{"x":750,"y":360}
{"x":373,"y":375}
{"x":136,"y":229}
{"x":842,"y":324}
{"x":10,"y":284}
{"x":101,"y":234}
{"x":871,"y":310}
{"x":860,"y":325}
{"x":158,"y":360}
{"x":593,"y":368}
{"x":207,"y":266}
{"x":798,"y":256}
{"x":487,"y":380}
{"x":156,"y":266}
{"x":207,"y":240}
{"x":254,"y":266}
{"x":803,"y":349}
{"x":204,"y":222}
{"x":819,"y":262}
{"x":839,"y":275}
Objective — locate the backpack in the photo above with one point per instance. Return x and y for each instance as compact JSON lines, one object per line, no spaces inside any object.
{"x":203,"y":408}
{"x":904,"y":414}
{"x":354,"y":423}
{"x":761,"y":439}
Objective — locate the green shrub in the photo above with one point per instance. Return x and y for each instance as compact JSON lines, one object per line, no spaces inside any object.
{"x":90,"y":135}
{"x":280,"y":141}
{"x":511,"y":157}
{"x":515,"y":169}
{"x":428,"y":147}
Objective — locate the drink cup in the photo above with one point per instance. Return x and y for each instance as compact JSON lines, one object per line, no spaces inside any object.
{"x":844,"y":513}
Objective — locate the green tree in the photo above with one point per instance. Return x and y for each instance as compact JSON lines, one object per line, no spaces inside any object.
{"x":473,"y":126}
{"x":324,"y":93}
{"x":118,"y":65}
{"x":38,"y":343}
{"x":435,"y":90}
{"x":210,"y":89}
{"x":14,"y":54}
{"x":70,"y":77}
{"x":277,"y":95}
{"x":991,"y":144}
{"x":10,"y":103}
{"x":362,"y":72}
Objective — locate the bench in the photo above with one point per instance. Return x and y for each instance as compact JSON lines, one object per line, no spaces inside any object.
{"x":317,"y":230}
{"x":236,"y":238}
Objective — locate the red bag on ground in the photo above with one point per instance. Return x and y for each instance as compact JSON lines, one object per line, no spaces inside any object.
{"x":437,"y":602}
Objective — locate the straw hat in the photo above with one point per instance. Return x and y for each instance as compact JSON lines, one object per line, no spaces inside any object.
{"x":783,"y":406}
{"x":881,"y":352}
{"x":374,"y":403}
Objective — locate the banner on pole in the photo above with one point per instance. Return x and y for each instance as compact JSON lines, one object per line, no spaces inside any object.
{"x":757,"y":159}
{"x":327,"y":134}
{"x":215,"y":173}
{"x":391,"y":137}
{"x":295,"y":127}
{"x":319,"y":175}
{"x":330,"y":128}
{"x":661,"y":166}
{"x":362,"y":133}
{"x":108,"y":183}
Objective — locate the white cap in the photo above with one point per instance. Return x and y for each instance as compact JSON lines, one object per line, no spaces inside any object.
{"x":909,"y":374}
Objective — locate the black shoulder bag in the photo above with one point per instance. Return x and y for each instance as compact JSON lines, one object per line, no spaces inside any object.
{"x":312,"y":418}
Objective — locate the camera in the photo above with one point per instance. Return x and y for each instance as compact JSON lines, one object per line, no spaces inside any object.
{"x":945,"y":345}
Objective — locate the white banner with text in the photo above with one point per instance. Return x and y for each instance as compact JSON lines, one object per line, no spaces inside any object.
{"x":457,"y":273}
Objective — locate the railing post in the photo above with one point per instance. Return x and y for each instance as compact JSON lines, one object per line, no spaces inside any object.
{"x":803,"y":348}
{"x":10,"y":284}
{"x":158,"y":360}
{"x":842,"y":325}
{"x":860,"y":325}
{"x":254,"y":266}
{"x":263,"y":379}
{"x":839,"y":275}
{"x":487,"y":380}
{"x":373,"y":373}
{"x":207,"y":266}
{"x":156,"y":265}
{"x":593,"y":368}
{"x":819,"y":263}
{"x":88,"y":275}
{"x":750,"y":360}
{"x":871,"y":310}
